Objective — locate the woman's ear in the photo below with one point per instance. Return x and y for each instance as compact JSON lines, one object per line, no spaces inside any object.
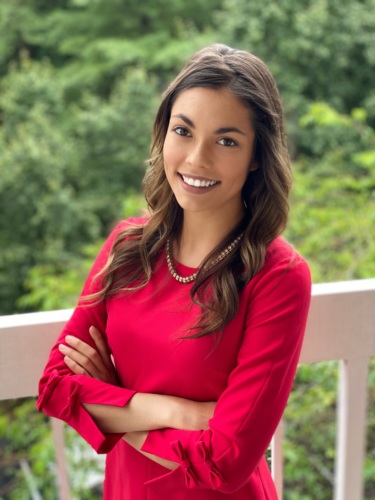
{"x":253,"y":166}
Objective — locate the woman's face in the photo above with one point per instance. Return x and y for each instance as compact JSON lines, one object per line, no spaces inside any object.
{"x":207,"y":152}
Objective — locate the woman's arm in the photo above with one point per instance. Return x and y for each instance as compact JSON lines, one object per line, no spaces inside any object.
{"x":97,"y":406}
{"x":145,"y":411}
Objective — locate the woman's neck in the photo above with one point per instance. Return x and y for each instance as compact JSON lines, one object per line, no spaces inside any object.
{"x":199,"y":236}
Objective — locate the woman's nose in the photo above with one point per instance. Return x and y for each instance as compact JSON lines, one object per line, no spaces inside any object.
{"x":199,"y":156}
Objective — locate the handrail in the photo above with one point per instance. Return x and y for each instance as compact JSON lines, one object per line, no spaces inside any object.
{"x":341,"y":326}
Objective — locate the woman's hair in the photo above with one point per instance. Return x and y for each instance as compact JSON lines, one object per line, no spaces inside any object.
{"x":265,"y":193}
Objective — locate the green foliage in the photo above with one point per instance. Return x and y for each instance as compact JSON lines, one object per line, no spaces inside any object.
{"x":104,"y":128}
{"x":57,"y":286}
{"x":93,"y":42}
{"x":317,"y":50}
{"x":309,"y":455}
{"x":25,"y":437}
{"x":333,"y":206}
{"x":54,"y":286}
{"x":85,"y":467}
{"x":38,"y":165}
{"x":64,"y":171}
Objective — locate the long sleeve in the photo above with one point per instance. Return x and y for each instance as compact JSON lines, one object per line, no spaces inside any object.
{"x":247,"y":413}
{"x":62,"y":393}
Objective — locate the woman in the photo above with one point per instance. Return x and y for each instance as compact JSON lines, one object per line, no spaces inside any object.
{"x":202,"y":305}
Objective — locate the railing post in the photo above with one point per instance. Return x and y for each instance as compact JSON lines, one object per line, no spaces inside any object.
{"x":61,"y":468}
{"x":277,"y":459}
{"x":351,"y":435}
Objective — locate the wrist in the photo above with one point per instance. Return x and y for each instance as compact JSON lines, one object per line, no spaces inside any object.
{"x":177,"y":414}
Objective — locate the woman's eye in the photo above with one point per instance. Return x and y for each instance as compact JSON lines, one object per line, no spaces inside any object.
{"x":225,"y":141}
{"x":181,"y":131}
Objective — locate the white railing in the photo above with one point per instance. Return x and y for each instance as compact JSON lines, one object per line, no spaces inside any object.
{"x":341,"y":326}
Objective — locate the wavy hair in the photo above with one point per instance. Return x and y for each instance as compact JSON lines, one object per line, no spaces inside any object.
{"x":265,"y":193}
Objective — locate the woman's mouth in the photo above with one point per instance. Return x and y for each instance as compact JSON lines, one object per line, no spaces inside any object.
{"x":198,"y":183}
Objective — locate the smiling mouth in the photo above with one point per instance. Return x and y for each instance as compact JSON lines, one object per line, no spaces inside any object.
{"x":200,"y":183}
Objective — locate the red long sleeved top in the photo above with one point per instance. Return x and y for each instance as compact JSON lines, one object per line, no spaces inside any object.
{"x":250,"y":374}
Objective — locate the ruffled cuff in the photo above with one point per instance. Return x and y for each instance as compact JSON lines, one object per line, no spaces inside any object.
{"x":197,"y":466}
{"x":63,"y":398}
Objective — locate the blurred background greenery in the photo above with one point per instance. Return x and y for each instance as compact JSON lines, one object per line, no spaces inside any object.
{"x":80,"y":81}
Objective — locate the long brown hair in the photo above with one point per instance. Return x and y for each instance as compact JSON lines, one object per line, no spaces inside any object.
{"x":265,"y":193}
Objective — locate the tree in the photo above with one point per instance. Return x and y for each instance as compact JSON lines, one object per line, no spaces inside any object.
{"x":92,"y":42}
{"x":40,"y":213}
{"x":317,"y":50}
{"x":333,"y":204}
{"x":64,"y":169}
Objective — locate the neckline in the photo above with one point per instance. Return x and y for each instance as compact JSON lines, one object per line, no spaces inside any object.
{"x":184,"y":270}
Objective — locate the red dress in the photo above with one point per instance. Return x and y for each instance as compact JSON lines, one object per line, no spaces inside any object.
{"x":250,"y":374}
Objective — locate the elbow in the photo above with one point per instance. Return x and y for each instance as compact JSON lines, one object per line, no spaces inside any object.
{"x":58,"y":396}
{"x":231,"y":486}
{"x":47,"y":387}
{"x":235,"y":472}
{"x":226,"y":474}
{"x":229,"y":473}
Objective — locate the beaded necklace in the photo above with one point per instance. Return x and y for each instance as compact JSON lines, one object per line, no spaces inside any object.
{"x":192,"y":277}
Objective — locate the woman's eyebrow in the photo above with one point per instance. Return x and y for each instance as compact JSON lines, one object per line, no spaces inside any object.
{"x":185,"y":119}
{"x":228,"y":130}
{"x":221,"y":130}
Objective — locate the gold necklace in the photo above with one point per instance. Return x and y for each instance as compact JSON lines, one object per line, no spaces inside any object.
{"x":189,"y":279}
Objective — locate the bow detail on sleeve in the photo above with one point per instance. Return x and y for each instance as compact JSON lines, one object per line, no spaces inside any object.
{"x":216,"y":477}
{"x":49,"y":388}
{"x":190,"y":475}
{"x":72,"y":400}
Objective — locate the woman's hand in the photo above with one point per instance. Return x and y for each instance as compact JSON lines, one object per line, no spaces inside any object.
{"x":189,"y":415}
{"x":82,"y":359}
{"x":194,"y":415}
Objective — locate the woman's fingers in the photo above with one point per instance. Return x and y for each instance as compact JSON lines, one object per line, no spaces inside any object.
{"x":89,"y":355}
{"x":80,"y":356}
{"x":102,"y":346}
{"x":105,"y":354}
{"x":75,"y":367}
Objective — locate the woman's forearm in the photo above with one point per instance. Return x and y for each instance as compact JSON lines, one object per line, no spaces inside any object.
{"x":143,"y":412}
{"x":147,"y":412}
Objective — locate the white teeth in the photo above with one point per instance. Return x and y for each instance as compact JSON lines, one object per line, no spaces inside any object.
{"x":197,"y":182}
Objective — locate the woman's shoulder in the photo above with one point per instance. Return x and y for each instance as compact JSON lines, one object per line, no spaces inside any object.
{"x":131,"y":222}
{"x":282,"y":258}
{"x":121,"y":226}
{"x":281,"y":251}
{"x":285,"y":273}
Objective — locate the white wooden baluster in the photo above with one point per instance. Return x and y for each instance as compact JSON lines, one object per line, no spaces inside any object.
{"x":61,"y":470}
{"x":351,"y":435}
{"x":277,"y":459}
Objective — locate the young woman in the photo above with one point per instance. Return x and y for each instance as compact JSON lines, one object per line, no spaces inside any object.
{"x":200,"y":307}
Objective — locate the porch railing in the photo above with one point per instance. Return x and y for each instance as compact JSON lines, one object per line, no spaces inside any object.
{"x":341,"y":326}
